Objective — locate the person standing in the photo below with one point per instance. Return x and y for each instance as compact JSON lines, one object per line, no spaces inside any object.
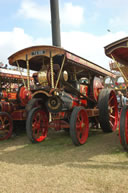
{"x":121,"y":99}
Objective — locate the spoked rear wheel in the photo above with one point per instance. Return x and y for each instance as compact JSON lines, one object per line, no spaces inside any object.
{"x":108,"y":110}
{"x":123,"y":127}
{"x":37,"y":125}
{"x":79,"y":126}
{"x":6,"y":125}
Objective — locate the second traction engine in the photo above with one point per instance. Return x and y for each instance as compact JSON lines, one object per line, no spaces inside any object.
{"x":14,"y":102}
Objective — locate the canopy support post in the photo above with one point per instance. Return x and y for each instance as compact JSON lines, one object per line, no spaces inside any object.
{"x":119,"y":68}
{"x":28,"y":73}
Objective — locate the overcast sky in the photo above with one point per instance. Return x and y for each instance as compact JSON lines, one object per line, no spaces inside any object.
{"x":86,"y":26}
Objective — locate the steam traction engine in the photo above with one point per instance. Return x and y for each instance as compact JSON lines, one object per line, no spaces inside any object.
{"x":118,"y":52}
{"x":13,"y":98}
{"x":68,"y":94}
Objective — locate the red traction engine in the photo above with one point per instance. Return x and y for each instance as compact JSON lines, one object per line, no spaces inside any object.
{"x":68,"y":94}
{"x":118,"y":52}
{"x":13,"y":99}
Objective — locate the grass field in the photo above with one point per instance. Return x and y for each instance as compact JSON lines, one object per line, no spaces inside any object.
{"x":57,"y":166}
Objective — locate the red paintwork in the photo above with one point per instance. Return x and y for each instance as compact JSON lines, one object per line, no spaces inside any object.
{"x":6,"y":106}
{"x":113,"y":110}
{"x":4,"y":94}
{"x":119,"y":49}
{"x":82,"y":126}
{"x":60,"y":115}
{"x":9,"y":103}
{"x":83,"y":102}
{"x":71,"y":94}
{"x":92,"y":112}
{"x":84,"y":89}
{"x":91,"y":66}
{"x":5,"y":126}
{"x":40,"y":125}
{"x":77,"y":102}
{"x":19,"y":115}
{"x":97,"y":86}
{"x":58,"y":124}
{"x":9,"y":95}
{"x":12,"y":96}
{"x":24,"y":95}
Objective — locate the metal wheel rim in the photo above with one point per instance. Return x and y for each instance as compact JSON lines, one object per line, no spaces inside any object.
{"x":40,"y":125}
{"x":82,"y":126}
{"x":126,"y":127}
{"x":113,"y":111}
{"x":5,"y":127}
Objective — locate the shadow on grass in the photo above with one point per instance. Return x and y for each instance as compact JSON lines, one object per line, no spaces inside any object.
{"x":102,"y":165}
{"x":58,"y":149}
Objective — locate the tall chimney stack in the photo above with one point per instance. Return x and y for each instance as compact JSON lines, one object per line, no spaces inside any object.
{"x":55,"y":23}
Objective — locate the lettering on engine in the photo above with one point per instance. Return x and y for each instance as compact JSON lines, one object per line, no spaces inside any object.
{"x":38,"y":52}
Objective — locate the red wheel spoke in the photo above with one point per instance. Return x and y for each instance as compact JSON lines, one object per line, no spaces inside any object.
{"x":79,"y":133}
{"x":37,"y":134}
{"x":35,"y":119}
{"x":78,"y":118}
{"x":4,"y":119}
{"x":43,"y":131}
{"x":1,"y":119}
{"x":5,"y":125}
{"x":108,"y":110}
{"x":113,"y":117}
{"x":112,"y":97}
{"x":39,"y":126}
{"x":111,"y":124}
{"x":79,"y":125}
{"x":34,"y":126}
{"x":82,"y":117}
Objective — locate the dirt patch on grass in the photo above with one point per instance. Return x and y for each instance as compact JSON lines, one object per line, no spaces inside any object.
{"x":56,"y":165}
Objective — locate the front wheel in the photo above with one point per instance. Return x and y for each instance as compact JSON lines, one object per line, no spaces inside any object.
{"x":37,"y":125}
{"x":79,"y":126}
{"x":123,"y":127}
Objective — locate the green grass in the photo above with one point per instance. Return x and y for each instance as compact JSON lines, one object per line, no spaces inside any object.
{"x":56,"y":165}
